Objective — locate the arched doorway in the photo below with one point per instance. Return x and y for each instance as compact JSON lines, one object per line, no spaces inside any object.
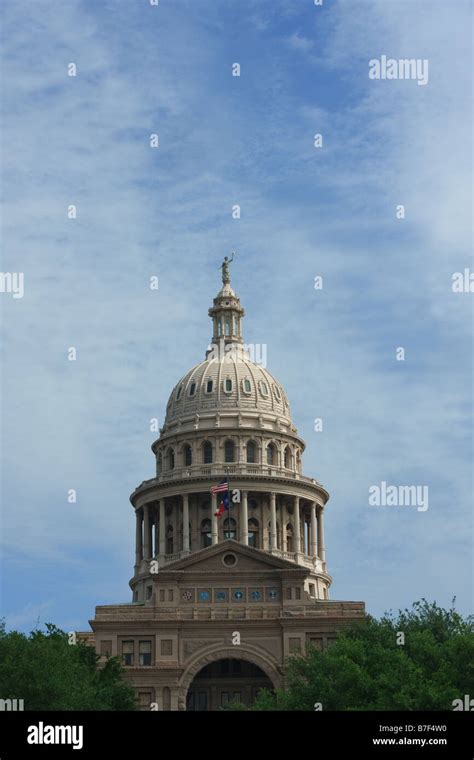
{"x":223,"y":681}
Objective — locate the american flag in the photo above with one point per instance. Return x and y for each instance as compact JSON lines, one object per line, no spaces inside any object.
{"x":220,"y":488}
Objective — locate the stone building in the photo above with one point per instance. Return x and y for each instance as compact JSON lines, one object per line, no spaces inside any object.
{"x":219,"y":602}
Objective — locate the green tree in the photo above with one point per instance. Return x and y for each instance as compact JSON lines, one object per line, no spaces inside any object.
{"x":366,"y":669}
{"x":48,"y":673}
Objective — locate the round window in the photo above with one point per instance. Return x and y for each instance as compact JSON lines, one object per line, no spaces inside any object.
{"x":229,"y":560}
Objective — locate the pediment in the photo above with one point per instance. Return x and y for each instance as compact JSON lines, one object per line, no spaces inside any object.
{"x":248,"y":559}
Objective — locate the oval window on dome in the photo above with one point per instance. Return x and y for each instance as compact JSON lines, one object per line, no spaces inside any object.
{"x":246,"y":385}
{"x":276,"y":390}
{"x":192,"y":389}
{"x":179,"y":392}
{"x":263,"y":388}
{"x":228,"y":385}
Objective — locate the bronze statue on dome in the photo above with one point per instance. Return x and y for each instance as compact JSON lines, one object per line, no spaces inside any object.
{"x":224,"y":267}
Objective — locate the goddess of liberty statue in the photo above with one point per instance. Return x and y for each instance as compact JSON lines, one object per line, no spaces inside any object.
{"x":224,"y":267}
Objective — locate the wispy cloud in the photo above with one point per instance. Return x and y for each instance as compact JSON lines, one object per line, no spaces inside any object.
{"x":299,"y":42}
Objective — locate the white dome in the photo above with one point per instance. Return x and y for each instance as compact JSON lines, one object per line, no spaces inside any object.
{"x":232,"y":383}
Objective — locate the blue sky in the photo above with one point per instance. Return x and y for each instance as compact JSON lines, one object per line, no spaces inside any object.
{"x":227,"y":140}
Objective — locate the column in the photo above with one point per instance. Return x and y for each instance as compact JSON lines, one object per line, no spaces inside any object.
{"x":138,"y":537}
{"x":244,"y":519}
{"x":146,"y":532}
{"x":313,"y":530}
{"x":214,"y":526}
{"x":262,"y":513}
{"x":162,"y":528}
{"x":185,"y":523}
{"x":174,"y":517}
{"x":284,"y":520}
{"x":273,"y":521}
{"x":297,"y":531}
{"x":156,"y":542}
{"x":196,"y":525}
{"x":322,"y":550}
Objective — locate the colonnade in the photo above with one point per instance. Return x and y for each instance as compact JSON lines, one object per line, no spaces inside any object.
{"x":298,"y":530}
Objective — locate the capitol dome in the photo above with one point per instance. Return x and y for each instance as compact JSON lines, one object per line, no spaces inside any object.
{"x":232,"y":379}
{"x":228,"y":426}
{"x":233,"y":382}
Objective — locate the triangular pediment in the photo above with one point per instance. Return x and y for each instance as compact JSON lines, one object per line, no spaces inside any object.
{"x":216,"y":559}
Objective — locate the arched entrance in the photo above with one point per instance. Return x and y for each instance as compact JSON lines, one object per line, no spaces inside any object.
{"x":223,"y":681}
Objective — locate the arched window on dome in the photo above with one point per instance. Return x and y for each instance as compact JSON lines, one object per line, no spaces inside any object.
{"x":229,"y":528}
{"x":209,"y":385}
{"x":229,"y":451}
{"x":169,"y":540}
{"x":178,"y":395}
{"x":170,"y":459}
{"x":271,"y":454}
{"x":263,"y":388}
{"x":254,"y":535}
{"x":289,"y":538}
{"x":251,"y":452}
{"x":246,"y":385}
{"x":287,"y":458}
{"x":207,"y":452}
{"x":206,"y":534}
{"x":187,"y":455}
{"x":228,"y":385}
{"x":192,"y":389}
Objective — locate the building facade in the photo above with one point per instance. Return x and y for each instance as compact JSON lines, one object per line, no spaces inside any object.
{"x":220,"y":601}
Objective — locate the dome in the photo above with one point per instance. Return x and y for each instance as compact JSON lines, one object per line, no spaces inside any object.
{"x":230,"y":382}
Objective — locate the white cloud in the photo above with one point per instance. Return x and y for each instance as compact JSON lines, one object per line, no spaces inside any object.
{"x":299,"y":42}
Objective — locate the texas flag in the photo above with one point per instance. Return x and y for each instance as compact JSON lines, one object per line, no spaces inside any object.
{"x":223,"y":505}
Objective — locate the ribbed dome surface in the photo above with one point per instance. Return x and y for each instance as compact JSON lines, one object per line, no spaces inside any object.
{"x":227,"y":384}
